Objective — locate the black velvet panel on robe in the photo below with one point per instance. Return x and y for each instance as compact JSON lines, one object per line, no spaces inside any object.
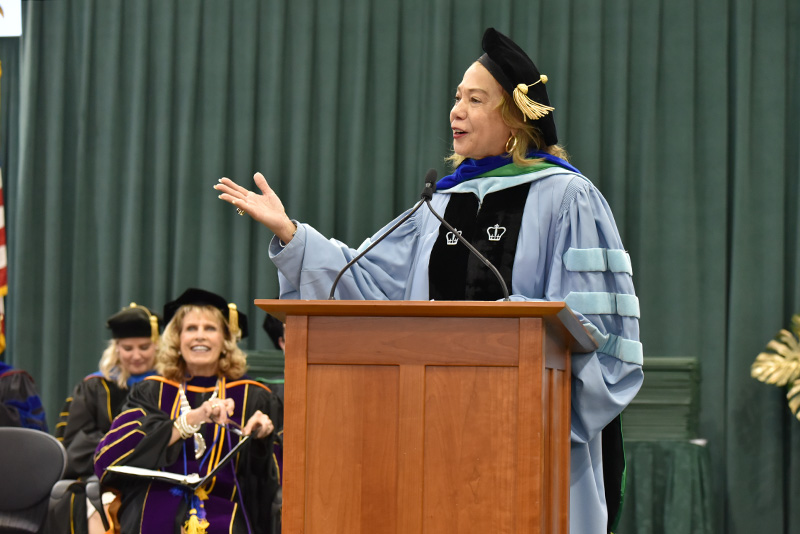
{"x":454,"y":273}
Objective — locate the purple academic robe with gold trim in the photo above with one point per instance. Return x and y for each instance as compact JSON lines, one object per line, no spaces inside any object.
{"x":140,"y":435}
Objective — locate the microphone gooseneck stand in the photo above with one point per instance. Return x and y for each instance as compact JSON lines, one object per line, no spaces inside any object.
{"x":425,"y":197}
{"x":473,"y":250}
{"x":427,"y":194}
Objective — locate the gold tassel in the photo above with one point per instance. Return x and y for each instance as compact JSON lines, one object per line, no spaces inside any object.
{"x":530,"y":109}
{"x":194,"y":525}
{"x":233,"y":319}
{"x":154,"y":328}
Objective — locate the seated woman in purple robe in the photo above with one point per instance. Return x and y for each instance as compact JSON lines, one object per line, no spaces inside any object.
{"x":186,"y":419}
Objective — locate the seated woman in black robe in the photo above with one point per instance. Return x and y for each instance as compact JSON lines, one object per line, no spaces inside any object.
{"x":129,"y":358}
{"x":88,"y":413}
{"x":184,"y":422}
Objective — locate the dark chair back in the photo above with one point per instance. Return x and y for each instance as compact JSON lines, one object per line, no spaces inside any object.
{"x":31,"y":462}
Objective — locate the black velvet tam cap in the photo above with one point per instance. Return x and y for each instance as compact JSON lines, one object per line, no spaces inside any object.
{"x":237,"y":321}
{"x":134,"y":321}
{"x":516,"y":73}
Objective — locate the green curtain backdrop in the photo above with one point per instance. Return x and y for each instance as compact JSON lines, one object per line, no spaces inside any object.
{"x":119,"y":116}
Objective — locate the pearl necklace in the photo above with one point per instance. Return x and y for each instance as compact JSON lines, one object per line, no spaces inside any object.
{"x":186,"y":429}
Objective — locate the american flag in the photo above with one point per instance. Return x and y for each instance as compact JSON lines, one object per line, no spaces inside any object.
{"x":3,"y":268}
{"x":3,"y":261}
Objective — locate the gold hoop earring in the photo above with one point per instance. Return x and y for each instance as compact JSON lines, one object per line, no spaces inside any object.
{"x":511,"y":137}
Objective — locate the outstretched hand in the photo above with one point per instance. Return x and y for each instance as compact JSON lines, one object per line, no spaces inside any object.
{"x":265,"y":208}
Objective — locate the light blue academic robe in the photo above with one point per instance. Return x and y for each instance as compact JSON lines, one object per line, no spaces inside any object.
{"x":569,"y":249}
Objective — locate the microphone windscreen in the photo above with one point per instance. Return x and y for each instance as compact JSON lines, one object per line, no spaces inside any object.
{"x":430,"y":177}
{"x":430,"y":184}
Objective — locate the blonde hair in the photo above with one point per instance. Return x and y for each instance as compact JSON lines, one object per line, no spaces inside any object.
{"x":528,"y":136}
{"x":110,"y":367}
{"x":171,"y":365}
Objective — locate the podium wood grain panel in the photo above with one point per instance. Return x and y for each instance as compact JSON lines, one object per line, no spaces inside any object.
{"x":353,"y":447}
{"x":294,"y":465}
{"x":556,"y":385}
{"x":556,"y":461}
{"x":560,"y":456}
{"x":410,"y":463}
{"x":413,"y":340}
{"x":548,"y":469}
{"x":530,"y":436}
{"x":470,"y":449}
{"x":448,"y":418}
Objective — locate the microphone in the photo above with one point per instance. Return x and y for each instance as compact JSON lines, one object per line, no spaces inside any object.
{"x":430,"y":185}
{"x":487,"y":263}
{"x":426,"y":196}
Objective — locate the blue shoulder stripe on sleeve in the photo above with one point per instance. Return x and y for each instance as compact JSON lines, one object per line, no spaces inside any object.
{"x":585,"y":259}
{"x":624,"y":349}
{"x":598,"y":303}
{"x":619,"y":261}
{"x":592,"y":303}
{"x":628,"y":305}
{"x":597,"y":259}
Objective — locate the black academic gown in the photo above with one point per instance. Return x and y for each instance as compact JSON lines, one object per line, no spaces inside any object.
{"x":84,"y":420}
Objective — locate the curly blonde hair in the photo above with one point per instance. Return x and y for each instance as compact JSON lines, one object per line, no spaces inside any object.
{"x":528,"y":136}
{"x":171,"y":365}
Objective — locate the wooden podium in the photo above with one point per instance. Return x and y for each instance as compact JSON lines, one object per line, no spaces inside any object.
{"x":408,"y":417}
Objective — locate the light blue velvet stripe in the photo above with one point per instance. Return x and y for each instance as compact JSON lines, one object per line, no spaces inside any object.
{"x":626,"y":350}
{"x":596,"y":303}
{"x":585,"y":259}
{"x":597,"y":259}
{"x":619,"y":261}
{"x":592,"y":303}
{"x":628,"y":305}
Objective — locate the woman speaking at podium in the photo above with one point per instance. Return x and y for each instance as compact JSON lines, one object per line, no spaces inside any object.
{"x":546,"y":228}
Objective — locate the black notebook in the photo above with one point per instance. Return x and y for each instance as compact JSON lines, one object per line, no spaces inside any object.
{"x":192,"y":481}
